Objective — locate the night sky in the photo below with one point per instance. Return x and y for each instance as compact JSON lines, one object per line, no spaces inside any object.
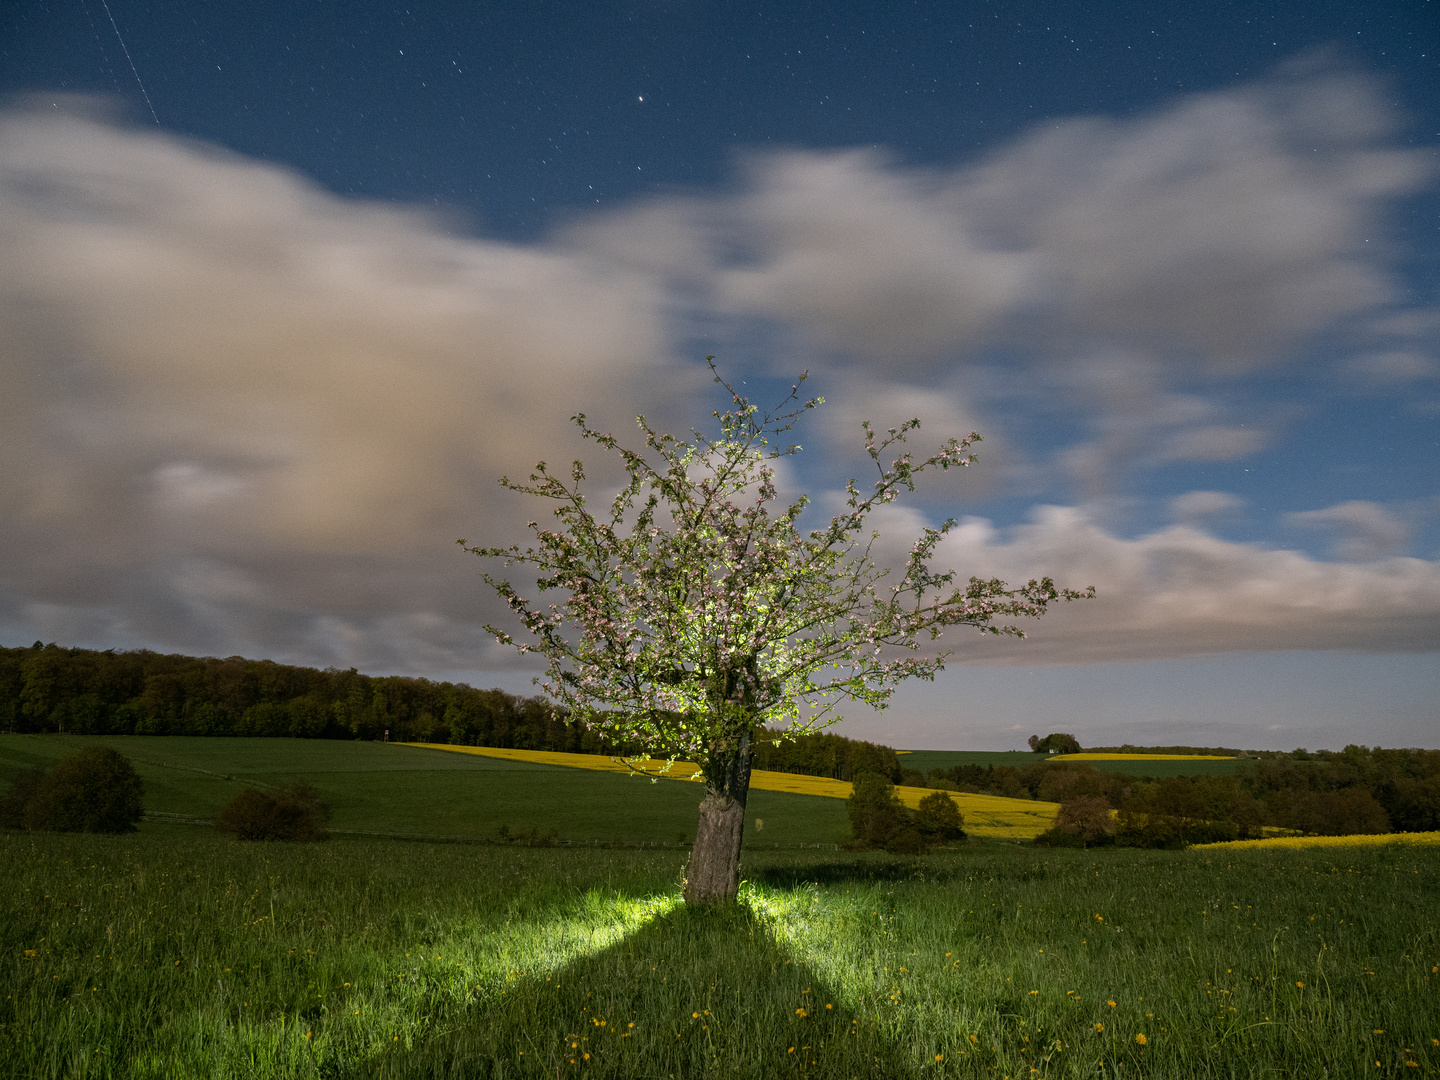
{"x":285,"y":287}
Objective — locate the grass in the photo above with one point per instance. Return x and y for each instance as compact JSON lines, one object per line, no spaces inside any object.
{"x":386,"y":788}
{"x":179,"y":953}
{"x":984,"y":815}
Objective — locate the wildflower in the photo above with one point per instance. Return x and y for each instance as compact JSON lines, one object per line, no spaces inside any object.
{"x":1140,"y":1039}
{"x":1099,"y":1027}
{"x":939,"y":1057}
{"x":1110,"y":1003}
{"x":1034,"y":993}
{"x":974,"y":1039}
{"x":1301,"y":985}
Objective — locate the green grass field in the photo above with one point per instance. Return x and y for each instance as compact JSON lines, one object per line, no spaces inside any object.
{"x":925,"y":760}
{"x":177,"y":952}
{"x":379,"y":788}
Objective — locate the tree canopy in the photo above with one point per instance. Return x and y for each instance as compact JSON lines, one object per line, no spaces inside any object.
{"x":692,"y":611}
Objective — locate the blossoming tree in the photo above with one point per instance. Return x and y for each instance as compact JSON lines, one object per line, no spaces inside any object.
{"x":692,"y":611}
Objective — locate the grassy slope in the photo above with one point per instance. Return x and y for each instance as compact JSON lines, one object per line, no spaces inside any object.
{"x":373,"y":787}
{"x":177,"y":953}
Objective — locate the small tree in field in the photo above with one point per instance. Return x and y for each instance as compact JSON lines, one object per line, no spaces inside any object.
{"x":692,"y":611}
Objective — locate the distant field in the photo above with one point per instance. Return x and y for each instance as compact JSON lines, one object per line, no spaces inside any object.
{"x":985,"y":815}
{"x":1131,"y":764}
{"x":925,"y":760}
{"x":1162,"y":767}
{"x":386,"y":788}
{"x":1274,"y":843}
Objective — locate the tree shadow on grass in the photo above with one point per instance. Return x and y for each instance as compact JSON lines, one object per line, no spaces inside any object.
{"x":862,"y":870}
{"x":694,"y":993}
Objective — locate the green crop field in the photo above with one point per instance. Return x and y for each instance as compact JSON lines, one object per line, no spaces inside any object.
{"x":925,"y":760}
{"x":177,"y":952}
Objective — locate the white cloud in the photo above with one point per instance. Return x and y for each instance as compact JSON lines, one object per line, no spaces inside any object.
{"x":1394,"y":368}
{"x":1363,"y":530}
{"x":1180,"y":591}
{"x":234,"y":404}
{"x":1194,"y":507}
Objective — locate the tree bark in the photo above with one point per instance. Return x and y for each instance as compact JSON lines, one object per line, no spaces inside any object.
{"x":713,"y":874}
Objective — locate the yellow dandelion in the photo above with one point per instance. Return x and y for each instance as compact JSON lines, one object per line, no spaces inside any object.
{"x":1301,"y":985}
{"x":974,"y":1038}
{"x":1034,"y":993}
{"x":799,"y":1012}
{"x":1099,"y":1027}
{"x":695,"y":1016}
{"x":1140,"y":1039}
{"x":828,"y":1005}
{"x":939,"y":1057}
{"x":1110,"y":1003}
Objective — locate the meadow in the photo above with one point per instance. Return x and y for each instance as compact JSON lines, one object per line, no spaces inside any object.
{"x":385,"y":789}
{"x":177,"y":952}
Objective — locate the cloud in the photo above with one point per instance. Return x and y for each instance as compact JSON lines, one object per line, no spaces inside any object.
{"x":1388,"y":369}
{"x":1195,"y":506}
{"x":236,"y":406}
{"x":1183,"y":592}
{"x":1216,"y":230}
{"x":241,"y":414}
{"x":1363,"y":530}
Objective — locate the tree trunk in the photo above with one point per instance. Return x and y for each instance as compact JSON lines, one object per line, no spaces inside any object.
{"x":713,"y":874}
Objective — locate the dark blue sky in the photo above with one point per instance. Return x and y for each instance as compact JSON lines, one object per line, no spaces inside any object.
{"x":519,"y":114}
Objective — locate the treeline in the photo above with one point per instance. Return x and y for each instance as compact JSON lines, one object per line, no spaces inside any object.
{"x":1356,"y":790}
{"x":46,"y":688}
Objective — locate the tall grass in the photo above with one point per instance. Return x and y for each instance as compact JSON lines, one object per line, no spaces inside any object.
{"x":176,"y":953}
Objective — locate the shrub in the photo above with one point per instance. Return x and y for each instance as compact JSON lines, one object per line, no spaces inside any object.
{"x":294,"y":813}
{"x":877,"y":818}
{"x":96,"y":791}
{"x":939,"y":819}
{"x":1088,"y":819}
{"x":912,"y":778}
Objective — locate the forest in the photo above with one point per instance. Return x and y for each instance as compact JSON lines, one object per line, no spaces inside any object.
{"x":48,"y":688}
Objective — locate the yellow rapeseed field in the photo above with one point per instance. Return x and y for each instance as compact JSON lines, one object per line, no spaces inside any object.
{"x":1140,"y":757}
{"x":985,"y":815}
{"x":1367,"y":840}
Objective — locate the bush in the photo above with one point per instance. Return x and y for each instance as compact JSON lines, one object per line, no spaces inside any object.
{"x":877,"y":818}
{"x":294,"y":813}
{"x":96,"y":791}
{"x":939,"y":819}
{"x":1088,"y":819}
